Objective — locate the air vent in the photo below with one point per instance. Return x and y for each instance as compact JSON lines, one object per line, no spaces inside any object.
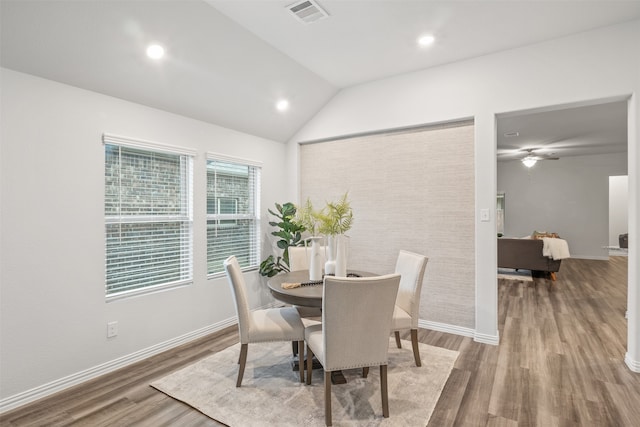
{"x":307,"y":11}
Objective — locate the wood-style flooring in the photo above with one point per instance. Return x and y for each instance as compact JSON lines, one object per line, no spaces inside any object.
{"x":559,"y":363}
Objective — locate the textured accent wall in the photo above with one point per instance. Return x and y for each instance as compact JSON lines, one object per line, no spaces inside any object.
{"x":411,"y":190}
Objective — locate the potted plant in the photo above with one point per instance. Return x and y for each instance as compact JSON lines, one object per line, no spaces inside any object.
{"x":308,"y":218}
{"x":336,"y":218}
{"x":289,"y":233}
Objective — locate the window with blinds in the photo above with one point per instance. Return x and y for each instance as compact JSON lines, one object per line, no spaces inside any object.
{"x":148,"y":216}
{"x":233,"y":220}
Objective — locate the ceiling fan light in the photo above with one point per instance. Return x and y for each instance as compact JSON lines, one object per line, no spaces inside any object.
{"x":529,"y":161}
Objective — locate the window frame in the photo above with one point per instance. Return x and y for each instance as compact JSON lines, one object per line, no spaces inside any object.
{"x":224,"y":219}
{"x":184,"y":219}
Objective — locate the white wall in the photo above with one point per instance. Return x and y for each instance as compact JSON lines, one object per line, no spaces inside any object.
{"x":53,"y":309}
{"x":569,"y":196}
{"x":618,"y":208}
{"x":600,"y":64}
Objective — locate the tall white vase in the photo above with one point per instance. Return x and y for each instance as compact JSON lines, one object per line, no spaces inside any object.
{"x":330,"y":265}
{"x":315,"y":261}
{"x":341,"y":255}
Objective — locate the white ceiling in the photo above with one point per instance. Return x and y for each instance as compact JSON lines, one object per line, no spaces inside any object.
{"x":575,"y":131}
{"x":229,"y":61}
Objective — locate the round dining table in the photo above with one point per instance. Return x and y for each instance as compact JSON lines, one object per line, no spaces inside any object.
{"x":309,"y":294}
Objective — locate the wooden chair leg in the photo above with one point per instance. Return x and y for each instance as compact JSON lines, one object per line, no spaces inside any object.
{"x":300,"y":345}
{"x":365,"y":372}
{"x":327,"y":398}
{"x":414,"y":344}
{"x":242,"y":362}
{"x":309,"y":365}
{"x":397,"y":334}
{"x":383,"y":391}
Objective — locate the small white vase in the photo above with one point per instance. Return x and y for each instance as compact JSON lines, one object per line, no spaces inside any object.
{"x":315,"y":261}
{"x":341,"y":255}
{"x":330,"y":265}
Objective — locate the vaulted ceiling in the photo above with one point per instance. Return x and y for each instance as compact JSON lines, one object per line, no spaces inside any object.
{"x":228,"y":62}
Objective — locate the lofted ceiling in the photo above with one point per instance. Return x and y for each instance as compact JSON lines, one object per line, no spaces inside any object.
{"x":229,"y":61}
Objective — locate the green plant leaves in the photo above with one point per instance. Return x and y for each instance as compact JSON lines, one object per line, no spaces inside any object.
{"x":289,"y":233}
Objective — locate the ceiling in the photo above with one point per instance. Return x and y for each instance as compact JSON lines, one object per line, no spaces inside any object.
{"x":574,"y":131}
{"x":229,"y":61}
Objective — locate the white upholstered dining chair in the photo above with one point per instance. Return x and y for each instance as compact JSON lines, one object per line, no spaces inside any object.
{"x":411,"y":267}
{"x":356,"y":323}
{"x":272,"y":324}
{"x":300,"y":257}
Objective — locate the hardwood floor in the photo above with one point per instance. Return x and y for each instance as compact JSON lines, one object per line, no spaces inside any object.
{"x":559,"y":363}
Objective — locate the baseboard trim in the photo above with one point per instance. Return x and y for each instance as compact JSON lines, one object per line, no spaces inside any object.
{"x":447,"y":328}
{"x":592,"y":257}
{"x":48,"y":389}
{"x":634,"y":365}
{"x":487,"y":339}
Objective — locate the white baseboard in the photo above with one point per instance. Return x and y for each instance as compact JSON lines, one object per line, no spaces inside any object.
{"x":487,"y":339}
{"x":634,"y":365}
{"x":447,"y":328}
{"x":459,"y":330}
{"x":593,"y":257}
{"x":48,"y":389}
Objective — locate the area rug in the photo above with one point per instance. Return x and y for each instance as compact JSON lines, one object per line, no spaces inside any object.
{"x":512,"y":274}
{"x":271,"y":394}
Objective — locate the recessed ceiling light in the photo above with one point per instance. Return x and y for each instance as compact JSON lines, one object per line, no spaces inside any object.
{"x":282,"y":105}
{"x":426,"y":40}
{"x":155,"y":51}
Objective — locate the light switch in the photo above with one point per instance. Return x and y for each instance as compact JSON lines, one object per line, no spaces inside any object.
{"x":484,"y":215}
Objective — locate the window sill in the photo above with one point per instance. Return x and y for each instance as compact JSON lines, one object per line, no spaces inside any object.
{"x":148,"y":290}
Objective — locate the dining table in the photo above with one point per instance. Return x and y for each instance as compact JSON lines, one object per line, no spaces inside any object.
{"x":308,"y":294}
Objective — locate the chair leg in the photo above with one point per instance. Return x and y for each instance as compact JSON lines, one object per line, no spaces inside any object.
{"x":300,"y":345}
{"x":397,"y":334}
{"x":383,"y":391}
{"x":294,"y":348}
{"x":242,"y":362}
{"x":365,"y":372}
{"x":414,"y":343}
{"x":327,"y":398}
{"x":309,"y":365}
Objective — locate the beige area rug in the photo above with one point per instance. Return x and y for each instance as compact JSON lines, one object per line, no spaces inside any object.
{"x":271,"y":394}
{"x":512,"y":274}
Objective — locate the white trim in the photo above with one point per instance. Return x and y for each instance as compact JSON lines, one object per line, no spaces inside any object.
{"x":148,"y":290}
{"x":225,"y":158}
{"x":48,"y":389}
{"x":108,"y":138}
{"x":447,"y":328}
{"x":634,"y":365}
{"x":459,"y":330}
{"x":594,"y":257}
{"x":487,"y":339}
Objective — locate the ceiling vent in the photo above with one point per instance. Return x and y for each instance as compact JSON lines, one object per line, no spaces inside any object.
{"x":307,"y":11}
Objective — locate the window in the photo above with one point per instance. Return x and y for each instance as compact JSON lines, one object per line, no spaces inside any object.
{"x":148,"y":215}
{"x":233,"y":223}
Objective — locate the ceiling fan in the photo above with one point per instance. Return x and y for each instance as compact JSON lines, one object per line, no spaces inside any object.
{"x":531,"y":158}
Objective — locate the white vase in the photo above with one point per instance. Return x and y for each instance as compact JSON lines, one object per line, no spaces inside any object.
{"x":341,"y":255}
{"x":315,"y":261}
{"x":330,"y":265}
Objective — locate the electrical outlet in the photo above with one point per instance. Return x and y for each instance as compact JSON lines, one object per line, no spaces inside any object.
{"x":112,"y":329}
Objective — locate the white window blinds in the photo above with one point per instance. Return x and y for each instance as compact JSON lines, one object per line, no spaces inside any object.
{"x":148,"y":216}
{"x":233,"y":223}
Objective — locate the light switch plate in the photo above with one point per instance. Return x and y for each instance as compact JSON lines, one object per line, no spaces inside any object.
{"x":484,"y":215}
